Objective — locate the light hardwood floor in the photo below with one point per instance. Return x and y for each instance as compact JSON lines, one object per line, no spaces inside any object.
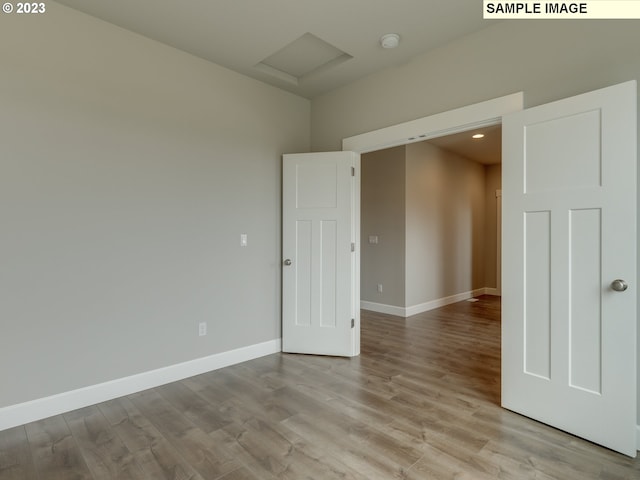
{"x":421,"y":402}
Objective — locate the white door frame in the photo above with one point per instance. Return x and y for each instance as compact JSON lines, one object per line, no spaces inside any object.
{"x":478,"y":115}
{"x":462,"y":119}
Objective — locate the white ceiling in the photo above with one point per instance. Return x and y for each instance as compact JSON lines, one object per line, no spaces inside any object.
{"x":486,"y":150}
{"x":307,"y":47}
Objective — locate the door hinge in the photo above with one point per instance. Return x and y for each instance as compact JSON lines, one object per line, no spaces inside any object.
{"x":353,"y":247}
{"x":353,"y":323}
{"x":353,"y":171}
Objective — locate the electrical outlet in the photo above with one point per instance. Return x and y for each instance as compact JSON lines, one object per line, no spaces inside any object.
{"x":379,"y":288}
{"x":243,"y":239}
{"x":202,"y":329}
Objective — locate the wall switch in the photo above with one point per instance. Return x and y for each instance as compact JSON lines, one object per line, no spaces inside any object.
{"x":202,"y":329}
{"x":379,"y":288}
{"x":243,"y":239}
{"x":373,"y":239}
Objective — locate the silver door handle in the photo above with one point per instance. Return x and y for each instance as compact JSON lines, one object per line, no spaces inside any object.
{"x":619,"y":285}
{"x":287,"y":262}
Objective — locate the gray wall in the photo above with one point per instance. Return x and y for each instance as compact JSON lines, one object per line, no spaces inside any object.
{"x":547,"y":60}
{"x":427,"y":207}
{"x":129,"y":170}
{"x":445,"y":224}
{"x":383,"y":214}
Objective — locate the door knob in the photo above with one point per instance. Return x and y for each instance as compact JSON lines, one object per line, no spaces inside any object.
{"x":287,"y":262}
{"x":619,"y":285}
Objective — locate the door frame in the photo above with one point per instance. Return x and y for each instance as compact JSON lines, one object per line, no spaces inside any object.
{"x":478,"y":115}
{"x":461,"y":119}
{"x":470,"y":117}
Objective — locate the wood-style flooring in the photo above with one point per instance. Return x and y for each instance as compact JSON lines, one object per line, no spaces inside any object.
{"x":421,"y":402}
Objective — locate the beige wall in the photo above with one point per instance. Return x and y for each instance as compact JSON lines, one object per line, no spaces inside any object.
{"x":445,"y":224}
{"x":427,"y":207}
{"x":383,"y":200}
{"x":129,"y":170}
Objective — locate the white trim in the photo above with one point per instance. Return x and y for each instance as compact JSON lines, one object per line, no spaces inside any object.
{"x":355,"y":221}
{"x":441,"y":302}
{"x":492,"y":291}
{"x":26,"y":412}
{"x":425,"y":307}
{"x":382,"y":308}
{"x":461,"y":119}
{"x":638,"y":437}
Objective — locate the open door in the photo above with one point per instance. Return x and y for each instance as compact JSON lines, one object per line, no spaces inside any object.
{"x":320,"y":266}
{"x":569,"y":265}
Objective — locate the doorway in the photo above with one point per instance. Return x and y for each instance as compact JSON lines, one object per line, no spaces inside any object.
{"x":472,"y":117}
{"x":429,"y":222}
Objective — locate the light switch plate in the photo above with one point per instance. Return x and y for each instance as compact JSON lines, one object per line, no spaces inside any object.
{"x":243,"y":239}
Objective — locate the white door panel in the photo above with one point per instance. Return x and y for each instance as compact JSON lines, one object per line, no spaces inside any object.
{"x":320,"y":269}
{"x":569,"y":230}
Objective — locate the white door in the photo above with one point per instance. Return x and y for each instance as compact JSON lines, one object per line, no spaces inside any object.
{"x":320,"y":268}
{"x":569,"y":232}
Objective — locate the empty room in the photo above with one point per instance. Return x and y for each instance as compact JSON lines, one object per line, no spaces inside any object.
{"x":181,"y":243}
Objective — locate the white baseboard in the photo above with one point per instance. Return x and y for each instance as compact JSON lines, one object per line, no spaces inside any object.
{"x":382,"y":308}
{"x":425,"y":307}
{"x":441,"y":302}
{"x":492,"y":291}
{"x":19,"y":414}
{"x":638,"y":437}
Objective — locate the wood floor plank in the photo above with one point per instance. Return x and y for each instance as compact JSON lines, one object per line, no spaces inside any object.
{"x":271,"y":449}
{"x":250,"y":465}
{"x":437,"y":464}
{"x":152,"y":451}
{"x":351,"y":452}
{"x":244,"y":398}
{"x":348,"y":434}
{"x":422,"y":401}
{"x":16,"y":461}
{"x":277,"y":453}
{"x":202,"y":413}
{"x":55,"y":452}
{"x":241,"y":473}
{"x":103,"y":451}
{"x":209,"y":459}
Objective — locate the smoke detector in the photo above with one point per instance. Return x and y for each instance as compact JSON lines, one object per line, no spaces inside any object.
{"x":390,"y":40}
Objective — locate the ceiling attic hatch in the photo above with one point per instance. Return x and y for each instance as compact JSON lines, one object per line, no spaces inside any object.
{"x":302,"y":58}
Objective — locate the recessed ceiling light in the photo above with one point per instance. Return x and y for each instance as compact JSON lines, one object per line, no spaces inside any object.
{"x":390,"y":40}
{"x":478,"y":135}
